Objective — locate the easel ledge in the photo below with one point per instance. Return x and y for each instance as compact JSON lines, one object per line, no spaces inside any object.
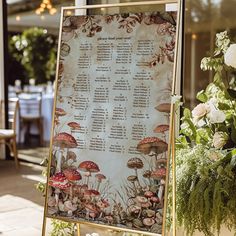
{"x":172,"y":121}
{"x":108,"y":227}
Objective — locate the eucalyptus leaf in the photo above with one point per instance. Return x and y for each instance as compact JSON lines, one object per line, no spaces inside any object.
{"x":201,"y":96}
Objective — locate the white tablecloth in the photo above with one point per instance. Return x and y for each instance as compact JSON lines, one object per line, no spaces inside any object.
{"x":46,"y":109}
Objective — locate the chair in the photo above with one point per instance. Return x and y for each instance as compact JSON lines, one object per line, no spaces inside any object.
{"x":30,"y":112}
{"x":8,"y":136}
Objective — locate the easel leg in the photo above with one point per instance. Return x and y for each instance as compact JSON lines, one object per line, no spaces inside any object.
{"x":44,"y":226}
{"x":78,"y":230}
{"x":173,"y":178}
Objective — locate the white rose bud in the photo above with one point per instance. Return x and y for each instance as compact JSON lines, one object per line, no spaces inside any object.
{"x":220,"y":139}
{"x":230,"y":56}
{"x":200,"y":110}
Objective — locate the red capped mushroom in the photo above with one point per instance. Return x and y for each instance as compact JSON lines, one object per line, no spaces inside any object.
{"x":63,"y":140}
{"x":72,"y":175}
{"x":154,"y":144}
{"x":59,"y":181}
{"x":159,"y":173}
{"x":59,"y":112}
{"x":74,"y":126}
{"x":148,"y":194}
{"x":135,"y":163}
{"x":161,"y":128}
{"x":88,"y":166}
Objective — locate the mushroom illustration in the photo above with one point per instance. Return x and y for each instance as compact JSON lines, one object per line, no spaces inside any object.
{"x":68,"y":207}
{"x":83,"y":188}
{"x":134,"y":209}
{"x":63,"y":140}
{"x":60,"y":112}
{"x":52,"y":201}
{"x":148,"y":222}
{"x":90,"y":167}
{"x":164,"y":107}
{"x":65,"y":50}
{"x":91,"y":208}
{"x":59,"y":181}
{"x":70,"y":158}
{"x":152,"y":146}
{"x":148,"y":194}
{"x":155,"y":200}
{"x":109,"y":219}
{"x":150,"y":213}
{"x":162,"y":129}
{"x":102,"y":204}
{"x":133,"y":179}
{"x":143,"y":202}
{"x":99,"y":178}
{"x":159,"y":173}
{"x":91,"y":193}
{"x":61,"y":69}
{"x":74,"y":126}
{"x":73,"y":176}
{"x":135,"y":163}
{"x":147,"y":175}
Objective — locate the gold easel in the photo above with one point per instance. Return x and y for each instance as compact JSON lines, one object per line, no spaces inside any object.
{"x":171,"y":146}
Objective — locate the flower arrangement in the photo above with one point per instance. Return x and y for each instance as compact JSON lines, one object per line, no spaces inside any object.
{"x":206,"y":149}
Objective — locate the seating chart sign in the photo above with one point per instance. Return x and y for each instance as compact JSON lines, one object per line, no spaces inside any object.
{"x":111,"y":121}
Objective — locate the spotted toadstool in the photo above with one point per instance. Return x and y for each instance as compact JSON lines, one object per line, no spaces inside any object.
{"x":90,"y":167}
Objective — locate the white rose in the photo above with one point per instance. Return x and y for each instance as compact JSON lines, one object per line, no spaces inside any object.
{"x":230,"y":56}
{"x":200,"y":110}
{"x":216,"y":116}
{"x":220,"y":139}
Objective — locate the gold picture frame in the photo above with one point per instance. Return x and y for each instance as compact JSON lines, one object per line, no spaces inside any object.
{"x":171,"y":149}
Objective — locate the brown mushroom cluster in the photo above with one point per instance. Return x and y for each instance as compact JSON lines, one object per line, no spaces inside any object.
{"x":145,"y":190}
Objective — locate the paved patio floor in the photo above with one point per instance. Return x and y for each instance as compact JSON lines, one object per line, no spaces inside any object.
{"x":21,"y":205}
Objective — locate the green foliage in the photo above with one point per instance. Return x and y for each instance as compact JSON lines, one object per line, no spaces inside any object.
{"x":61,"y":228}
{"x":206,"y":189}
{"x":35,"y":50}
